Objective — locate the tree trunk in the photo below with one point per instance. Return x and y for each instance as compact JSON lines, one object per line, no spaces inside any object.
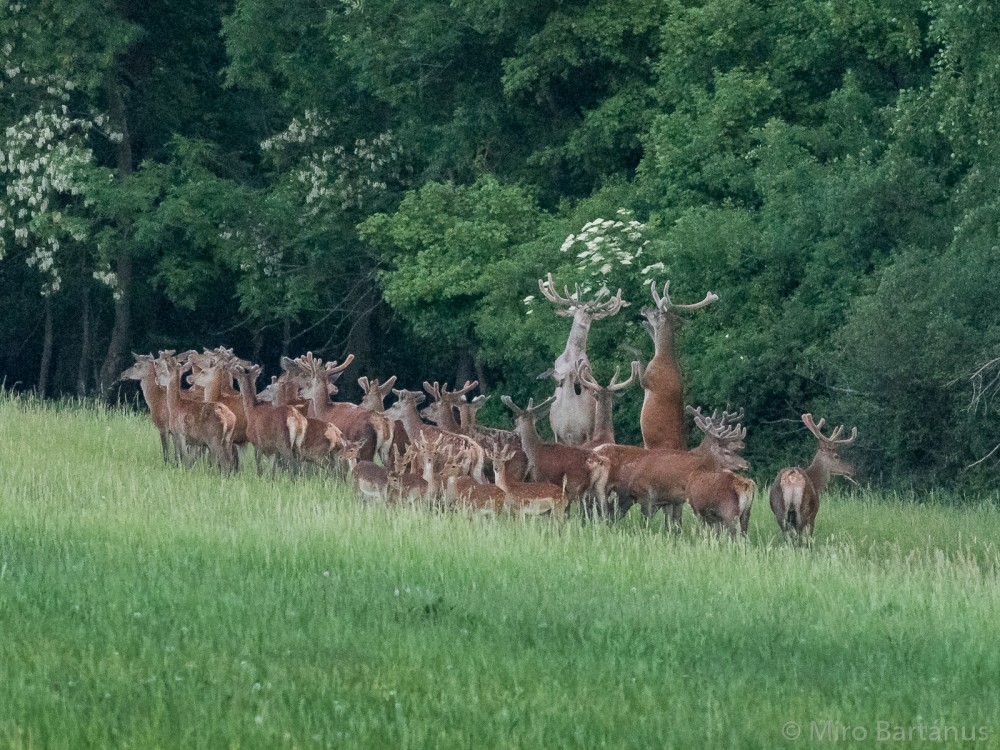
{"x":43,"y":370}
{"x":81,"y":372}
{"x":121,"y":331}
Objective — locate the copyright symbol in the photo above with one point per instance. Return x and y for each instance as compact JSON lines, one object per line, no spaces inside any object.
{"x":791,"y":730}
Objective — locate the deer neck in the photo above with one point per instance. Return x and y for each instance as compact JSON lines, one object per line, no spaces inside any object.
{"x":173,"y":392}
{"x":213,"y":389}
{"x":663,"y":340}
{"x":500,"y":476}
{"x":247,"y":395}
{"x":530,"y":440}
{"x":430,"y":476}
{"x":604,"y":428}
{"x":154,"y":393}
{"x":319,"y":398}
{"x":411,"y":420}
{"x":576,"y":344}
{"x":818,"y":472}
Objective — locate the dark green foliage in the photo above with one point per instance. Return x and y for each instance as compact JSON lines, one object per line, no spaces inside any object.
{"x":392,"y":179}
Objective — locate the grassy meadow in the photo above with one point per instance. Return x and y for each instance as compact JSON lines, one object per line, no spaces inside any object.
{"x":146,"y":606}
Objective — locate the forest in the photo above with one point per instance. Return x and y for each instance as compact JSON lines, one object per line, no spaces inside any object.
{"x":391,"y":180}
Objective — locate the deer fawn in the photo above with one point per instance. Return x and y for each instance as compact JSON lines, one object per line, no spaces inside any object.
{"x":795,"y":491}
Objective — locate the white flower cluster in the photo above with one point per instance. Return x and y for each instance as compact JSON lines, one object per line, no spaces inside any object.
{"x":265,"y":256}
{"x":606,"y":246}
{"x":110,"y":279}
{"x":42,"y":157}
{"x":344,"y":177}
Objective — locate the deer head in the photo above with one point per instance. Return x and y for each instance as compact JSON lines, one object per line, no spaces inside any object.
{"x":603,"y":305}
{"x":723,"y":437}
{"x":826,"y":457}
{"x":664,"y":307}
{"x":375,"y":392}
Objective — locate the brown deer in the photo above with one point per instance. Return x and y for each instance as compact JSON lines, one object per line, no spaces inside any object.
{"x":405,"y":410}
{"x":722,"y":500}
{"x":659,"y":478}
{"x":195,"y":423}
{"x":462,"y":493}
{"x":572,"y":412}
{"x":391,"y":432}
{"x":322,"y":440}
{"x":562,"y":465}
{"x":144,"y":370}
{"x":316,"y":386}
{"x":275,"y":431}
{"x":525,"y":499}
{"x":442,"y":410}
{"x":795,"y":491}
{"x":604,"y":396}
{"x":662,"y":416}
{"x":216,"y":383}
{"x":492,"y":438}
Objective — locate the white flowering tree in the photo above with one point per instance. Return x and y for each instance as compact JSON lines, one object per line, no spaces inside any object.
{"x":46,"y":164}
{"x":295,"y":247}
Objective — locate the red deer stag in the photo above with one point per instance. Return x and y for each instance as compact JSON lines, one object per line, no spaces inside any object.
{"x":604,"y":396}
{"x":275,"y":431}
{"x":562,"y":465}
{"x":722,"y":499}
{"x":659,"y":478}
{"x":323,"y":440}
{"x":795,"y":491}
{"x":662,"y":416}
{"x":442,"y":410}
{"x":316,"y":386}
{"x":195,"y":423}
{"x":572,"y":413}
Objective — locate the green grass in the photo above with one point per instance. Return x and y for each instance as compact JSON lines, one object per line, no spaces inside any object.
{"x":146,"y":606}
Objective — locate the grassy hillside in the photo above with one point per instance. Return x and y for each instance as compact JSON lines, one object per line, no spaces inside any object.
{"x":146,"y":606}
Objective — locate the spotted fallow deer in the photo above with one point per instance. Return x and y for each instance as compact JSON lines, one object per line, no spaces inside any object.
{"x":572,"y":412}
{"x":795,"y":491}
{"x":405,"y":410}
{"x":662,"y":416}
{"x":604,"y":429}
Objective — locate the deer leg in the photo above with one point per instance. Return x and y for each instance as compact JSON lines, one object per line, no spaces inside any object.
{"x":165,"y":444}
{"x":258,"y":457}
{"x":674,"y":515}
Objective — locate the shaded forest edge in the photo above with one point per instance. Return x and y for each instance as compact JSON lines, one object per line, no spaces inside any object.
{"x":392,"y":182}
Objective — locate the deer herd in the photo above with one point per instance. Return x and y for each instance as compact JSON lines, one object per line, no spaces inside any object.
{"x":439,"y":455}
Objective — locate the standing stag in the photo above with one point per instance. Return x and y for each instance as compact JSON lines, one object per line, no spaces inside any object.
{"x":604,"y":396}
{"x":795,"y":491}
{"x":572,"y":412}
{"x":662,"y":417}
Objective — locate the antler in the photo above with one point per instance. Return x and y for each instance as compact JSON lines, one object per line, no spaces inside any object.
{"x":586,"y":376}
{"x":720,"y":429}
{"x":332,"y":368}
{"x":834,"y":438}
{"x":532,"y":408}
{"x":603,"y":305}
{"x":664,"y":303}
